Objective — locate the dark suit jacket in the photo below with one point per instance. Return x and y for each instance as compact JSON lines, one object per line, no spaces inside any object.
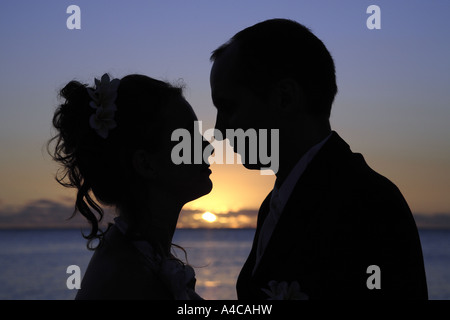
{"x":341,"y":218}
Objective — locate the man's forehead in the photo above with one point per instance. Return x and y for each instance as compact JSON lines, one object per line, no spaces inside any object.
{"x":226,"y":64}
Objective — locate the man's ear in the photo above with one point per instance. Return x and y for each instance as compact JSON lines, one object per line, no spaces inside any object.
{"x":143,"y":164}
{"x":290,"y":95}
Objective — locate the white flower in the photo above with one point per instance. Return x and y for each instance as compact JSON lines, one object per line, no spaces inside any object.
{"x":281,"y":290}
{"x":103,"y":101}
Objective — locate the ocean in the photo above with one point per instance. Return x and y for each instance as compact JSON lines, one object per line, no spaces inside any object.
{"x":33,"y":263}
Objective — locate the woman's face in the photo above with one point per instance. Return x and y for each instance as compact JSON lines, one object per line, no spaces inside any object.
{"x":188,"y":180}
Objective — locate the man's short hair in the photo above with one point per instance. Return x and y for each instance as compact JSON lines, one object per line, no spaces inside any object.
{"x":280,"y":48}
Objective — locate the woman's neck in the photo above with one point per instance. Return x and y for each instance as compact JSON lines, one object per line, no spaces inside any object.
{"x":155,"y":220}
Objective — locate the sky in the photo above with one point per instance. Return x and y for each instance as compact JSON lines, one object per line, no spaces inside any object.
{"x":393,"y":104}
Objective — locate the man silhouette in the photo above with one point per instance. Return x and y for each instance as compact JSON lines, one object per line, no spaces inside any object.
{"x":330,"y":216}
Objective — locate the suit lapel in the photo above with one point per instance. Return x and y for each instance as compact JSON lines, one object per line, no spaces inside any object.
{"x":293,"y":224}
{"x":262,"y":214}
{"x":297,"y":226}
{"x":301,"y":209}
{"x":246,"y":272}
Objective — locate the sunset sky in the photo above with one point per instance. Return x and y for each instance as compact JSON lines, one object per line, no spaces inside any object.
{"x":393,"y":104}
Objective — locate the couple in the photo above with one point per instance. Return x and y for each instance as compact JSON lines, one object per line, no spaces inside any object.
{"x":328,"y":219}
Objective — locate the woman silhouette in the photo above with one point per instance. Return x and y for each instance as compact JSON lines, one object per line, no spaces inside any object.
{"x":114,"y":146}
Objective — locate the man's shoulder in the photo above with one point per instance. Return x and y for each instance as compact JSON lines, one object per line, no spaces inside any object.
{"x":349,"y":189}
{"x":347,"y":169}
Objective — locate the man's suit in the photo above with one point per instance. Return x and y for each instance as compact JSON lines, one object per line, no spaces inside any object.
{"x":341,"y":218}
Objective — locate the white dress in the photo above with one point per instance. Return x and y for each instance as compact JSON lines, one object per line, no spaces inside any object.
{"x":178,"y":277}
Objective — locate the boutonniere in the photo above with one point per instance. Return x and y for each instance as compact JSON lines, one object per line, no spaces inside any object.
{"x":282,"y":290}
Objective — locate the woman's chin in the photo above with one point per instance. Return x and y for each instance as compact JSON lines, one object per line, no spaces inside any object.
{"x":201,"y":189}
{"x":209,"y":187}
{"x":205,"y":188}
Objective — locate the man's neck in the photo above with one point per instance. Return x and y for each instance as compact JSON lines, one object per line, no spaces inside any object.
{"x":292,"y":150}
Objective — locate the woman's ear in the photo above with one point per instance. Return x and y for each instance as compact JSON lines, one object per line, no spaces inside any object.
{"x":143,"y":164}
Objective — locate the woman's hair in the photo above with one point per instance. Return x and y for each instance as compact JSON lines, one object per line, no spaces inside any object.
{"x":101,"y":168}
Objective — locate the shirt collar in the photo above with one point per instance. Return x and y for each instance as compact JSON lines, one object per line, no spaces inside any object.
{"x":286,"y":188}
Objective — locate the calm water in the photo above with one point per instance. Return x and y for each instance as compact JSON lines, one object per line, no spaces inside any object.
{"x":33,"y":263}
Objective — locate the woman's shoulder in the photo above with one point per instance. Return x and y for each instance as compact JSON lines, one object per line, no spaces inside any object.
{"x":117,"y":270}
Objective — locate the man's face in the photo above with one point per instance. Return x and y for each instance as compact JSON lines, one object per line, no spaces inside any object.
{"x":238,"y":107}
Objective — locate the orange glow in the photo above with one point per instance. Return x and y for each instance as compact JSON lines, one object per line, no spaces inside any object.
{"x":234,"y":188}
{"x":208,"y":216}
{"x":232,"y":219}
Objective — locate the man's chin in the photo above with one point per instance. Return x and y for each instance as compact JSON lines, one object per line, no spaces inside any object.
{"x":254,"y":166}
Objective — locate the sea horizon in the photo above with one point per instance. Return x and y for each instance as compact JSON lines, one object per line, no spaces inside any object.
{"x":34,"y":261}
{"x":49,"y":214}
{"x":445,"y":227}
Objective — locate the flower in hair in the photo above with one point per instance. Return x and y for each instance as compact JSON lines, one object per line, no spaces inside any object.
{"x":103,"y":101}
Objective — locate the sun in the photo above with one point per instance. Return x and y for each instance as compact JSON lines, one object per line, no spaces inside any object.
{"x":208,"y":216}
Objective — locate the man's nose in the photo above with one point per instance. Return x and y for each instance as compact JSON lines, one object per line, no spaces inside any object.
{"x":207,"y":146}
{"x":220,"y":126}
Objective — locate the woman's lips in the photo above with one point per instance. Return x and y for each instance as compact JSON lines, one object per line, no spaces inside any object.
{"x":206,"y":169}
